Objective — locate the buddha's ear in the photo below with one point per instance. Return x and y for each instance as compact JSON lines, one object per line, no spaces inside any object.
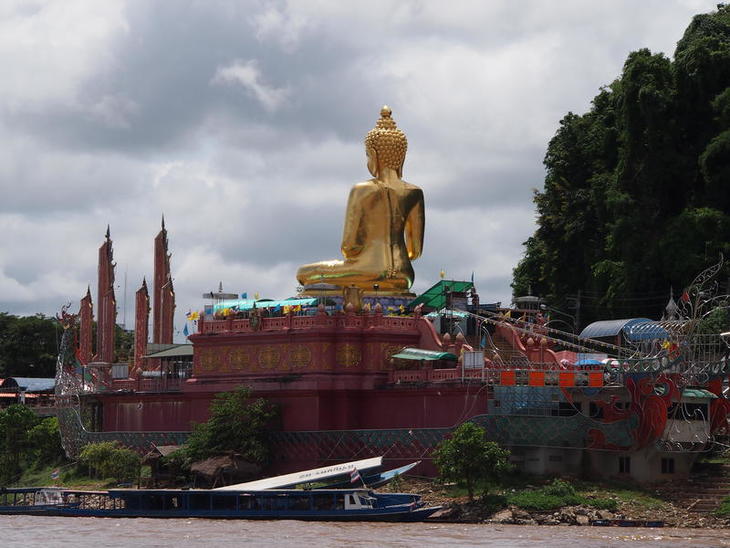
{"x":400,"y":169}
{"x":372,"y":161}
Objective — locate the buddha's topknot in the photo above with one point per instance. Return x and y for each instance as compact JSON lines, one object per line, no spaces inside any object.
{"x":389,"y":142}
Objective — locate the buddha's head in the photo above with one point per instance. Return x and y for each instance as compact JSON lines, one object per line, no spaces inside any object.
{"x":385,"y":145}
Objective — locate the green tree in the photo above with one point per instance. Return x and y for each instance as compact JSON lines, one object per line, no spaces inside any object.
{"x":237,"y":423}
{"x":15,"y":424}
{"x":635,"y":197}
{"x":28,"y":345}
{"x":467,"y":457}
{"x":45,"y":443}
{"x":109,"y":460}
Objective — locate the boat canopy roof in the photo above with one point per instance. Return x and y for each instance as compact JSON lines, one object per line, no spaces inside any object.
{"x":422,"y":354}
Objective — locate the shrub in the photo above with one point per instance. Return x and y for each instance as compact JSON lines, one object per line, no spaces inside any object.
{"x":724,"y":509}
{"x":109,"y":460}
{"x":559,"y":488}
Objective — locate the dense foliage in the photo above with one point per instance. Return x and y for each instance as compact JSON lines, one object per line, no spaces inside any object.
{"x":108,"y":460}
{"x":237,"y":423}
{"x":29,"y":345}
{"x":468,"y":458}
{"x":636,"y":196}
{"x":26,"y":442}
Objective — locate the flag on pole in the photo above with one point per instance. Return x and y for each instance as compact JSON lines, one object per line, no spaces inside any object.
{"x":685,"y":297}
{"x":185,"y":330}
{"x":355,"y":476}
{"x":55,"y":474}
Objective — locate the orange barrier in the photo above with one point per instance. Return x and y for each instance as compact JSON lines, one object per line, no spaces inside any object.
{"x":595,"y":378}
{"x":536,"y":378}
{"x":566,"y":378}
{"x":508,"y":378}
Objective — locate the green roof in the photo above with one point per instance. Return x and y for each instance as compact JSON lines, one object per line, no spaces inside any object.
{"x":173,"y":352}
{"x":435,"y":297}
{"x":421,"y":354}
{"x":697,"y":393}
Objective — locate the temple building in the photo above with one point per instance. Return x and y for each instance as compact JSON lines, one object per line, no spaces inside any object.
{"x":360,"y":366}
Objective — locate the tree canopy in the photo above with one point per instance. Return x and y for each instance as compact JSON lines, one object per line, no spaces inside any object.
{"x":468,"y":458}
{"x":635,"y":199}
{"x":237,"y":423}
{"x":27,"y":441}
{"x":29,"y":345}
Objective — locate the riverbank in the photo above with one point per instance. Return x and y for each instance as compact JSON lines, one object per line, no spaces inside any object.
{"x":521,"y":501}
{"x":626,"y":503}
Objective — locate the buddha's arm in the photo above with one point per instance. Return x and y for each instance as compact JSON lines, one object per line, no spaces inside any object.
{"x":415,"y":224}
{"x":352,"y":243}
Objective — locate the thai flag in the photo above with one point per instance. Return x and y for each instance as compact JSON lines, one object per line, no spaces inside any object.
{"x":55,"y":474}
{"x":355,"y":476}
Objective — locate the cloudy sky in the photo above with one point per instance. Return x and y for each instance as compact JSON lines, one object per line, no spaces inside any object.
{"x":243,"y":122}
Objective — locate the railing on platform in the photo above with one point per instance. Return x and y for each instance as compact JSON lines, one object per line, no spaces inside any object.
{"x":308,"y":322}
{"x":154,"y":384}
{"x":593,"y":378}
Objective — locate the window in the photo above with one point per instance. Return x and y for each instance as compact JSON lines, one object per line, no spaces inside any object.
{"x":624,"y":465}
{"x":667,"y":466}
{"x":224,"y":502}
{"x":555,"y":458}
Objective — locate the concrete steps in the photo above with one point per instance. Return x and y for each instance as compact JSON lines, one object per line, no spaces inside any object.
{"x":707,"y":488}
{"x":508,"y":353}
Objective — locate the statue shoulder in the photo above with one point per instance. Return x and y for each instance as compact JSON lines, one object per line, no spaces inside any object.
{"x":365,"y":187}
{"x":413,"y":188}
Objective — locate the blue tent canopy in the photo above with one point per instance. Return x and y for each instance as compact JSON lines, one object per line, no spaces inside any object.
{"x":248,"y":304}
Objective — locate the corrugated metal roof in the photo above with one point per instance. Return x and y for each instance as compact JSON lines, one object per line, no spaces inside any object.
{"x":435,"y":296}
{"x":634,"y":329}
{"x":174,"y":352}
{"x":421,"y":354}
{"x":30,"y":384}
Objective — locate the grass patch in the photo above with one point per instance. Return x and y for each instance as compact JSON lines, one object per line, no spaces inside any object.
{"x":621,"y":493}
{"x":557,"y":494}
{"x":69,"y":478}
{"x":723,"y":510}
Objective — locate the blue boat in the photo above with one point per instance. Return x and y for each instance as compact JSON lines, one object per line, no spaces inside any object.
{"x":314,"y":505}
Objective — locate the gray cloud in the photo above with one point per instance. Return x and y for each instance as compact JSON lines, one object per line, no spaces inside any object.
{"x":243,"y":122}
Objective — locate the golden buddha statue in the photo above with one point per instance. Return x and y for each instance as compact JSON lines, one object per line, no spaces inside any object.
{"x":384,"y":222}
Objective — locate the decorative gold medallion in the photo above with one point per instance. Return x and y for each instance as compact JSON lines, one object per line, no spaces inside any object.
{"x":269,"y":357}
{"x":240,"y":359}
{"x":300,"y":357}
{"x":208,"y":360}
{"x":348,"y":355}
